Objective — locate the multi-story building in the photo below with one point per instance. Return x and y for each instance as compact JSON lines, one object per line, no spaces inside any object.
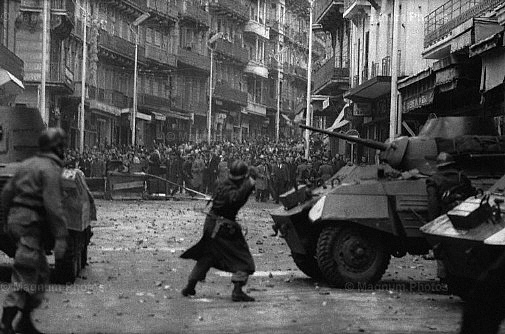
{"x":229,"y":102}
{"x":463,"y":39}
{"x":12,"y":117}
{"x":173,"y":66}
{"x":372,"y":25}
{"x":190,"y":85}
{"x":331,"y":74}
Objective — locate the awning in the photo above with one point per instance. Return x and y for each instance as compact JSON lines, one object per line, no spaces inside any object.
{"x":178,"y":115}
{"x":415,"y":78}
{"x":370,"y":89}
{"x":158,"y":116}
{"x":493,"y":70}
{"x":9,"y":84}
{"x":104,"y":107}
{"x":487,"y":44}
{"x":139,"y":115}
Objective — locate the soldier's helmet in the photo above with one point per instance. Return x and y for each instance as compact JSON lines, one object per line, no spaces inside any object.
{"x":445,"y":159}
{"x":53,"y":140}
{"x":238,"y":170}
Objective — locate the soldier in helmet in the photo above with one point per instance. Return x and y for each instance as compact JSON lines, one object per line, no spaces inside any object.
{"x":32,"y":199}
{"x":445,"y":189}
{"x":223,"y":245}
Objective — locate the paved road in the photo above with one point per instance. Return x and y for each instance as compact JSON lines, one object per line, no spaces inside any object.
{"x":133,"y":281}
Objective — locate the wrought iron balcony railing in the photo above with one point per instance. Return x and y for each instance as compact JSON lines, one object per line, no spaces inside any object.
{"x":233,"y":50}
{"x":234,"y":7}
{"x":193,"y":10}
{"x":194,"y":59}
{"x":163,"y":8}
{"x":440,"y":22}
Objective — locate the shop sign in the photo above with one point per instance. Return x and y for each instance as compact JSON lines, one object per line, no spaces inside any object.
{"x":362,"y":109}
{"x":418,"y":101}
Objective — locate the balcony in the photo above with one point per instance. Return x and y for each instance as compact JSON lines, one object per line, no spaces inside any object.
{"x":440,"y":22}
{"x":61,"y":76}
{"x":354,"y":8}
{"x":163,"y":8}
{"x":224,"y":91}
{"x":161,"y":56}
{"x":274,"y":65}
{"x":328,"y":12}
{"x":295,"y":70}
{"x":328,"y":78}
{"x":130,"y":7}
{"x":190,"y":106}
{"x":119,"y":46}
{"x":275,"y":25}
{"x":255,"y":27}
{"x":107,"y":97}
{"x":256,"y":109}
{"x":232,"y":50}
{"x":192,"y":10}
{"x":231,"y":7}
{"x":194,"y":59}
{"x":256,"y":68}
{"x":153,"y":102}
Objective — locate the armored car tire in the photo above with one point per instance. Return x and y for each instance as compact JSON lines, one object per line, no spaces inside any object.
{"x":351,"y":254}
{"x":308,"y":265}
{"x":67,"y":269}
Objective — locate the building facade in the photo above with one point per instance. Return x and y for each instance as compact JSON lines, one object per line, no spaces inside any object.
{"x":261,"y":52}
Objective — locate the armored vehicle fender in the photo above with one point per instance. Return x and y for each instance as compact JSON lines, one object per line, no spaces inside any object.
{"x":377,"y":204}
{"x":468,"y":252}
{"x":80,"y":210}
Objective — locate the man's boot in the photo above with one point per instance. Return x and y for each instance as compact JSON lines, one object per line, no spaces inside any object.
{"x":238,"y":295}
{"x":25,"y":324}
{"x":189,"y":290}
{"x":8,"y":315}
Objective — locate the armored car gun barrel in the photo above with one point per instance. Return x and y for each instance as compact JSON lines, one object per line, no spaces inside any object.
{"x":420,"y":152}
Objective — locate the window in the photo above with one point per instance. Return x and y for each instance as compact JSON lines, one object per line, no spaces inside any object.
{"x":157,"y":38}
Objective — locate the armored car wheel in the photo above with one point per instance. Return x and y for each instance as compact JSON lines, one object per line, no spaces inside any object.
{"x":308,"y":265}
{"x":350,"y":254}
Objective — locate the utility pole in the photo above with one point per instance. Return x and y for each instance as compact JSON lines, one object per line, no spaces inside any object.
{"x":308,"y":118}
{"x":83,"y":80}
{"x":212,"y":40}
{"x":42,"y":107}
{"x":136,"y":24}
{"x":393,"y":114}
{"x":209,"y":114}
{"x":135,"y":74}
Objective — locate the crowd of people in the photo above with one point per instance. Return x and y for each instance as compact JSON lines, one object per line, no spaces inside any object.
{"x":199,"y":166}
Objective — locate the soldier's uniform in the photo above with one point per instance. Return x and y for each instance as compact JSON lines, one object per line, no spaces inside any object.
{"x":33,"y":200}
{"x":223,"y":245}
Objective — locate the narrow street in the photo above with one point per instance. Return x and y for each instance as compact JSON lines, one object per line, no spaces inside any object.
{"x":134,"y":277}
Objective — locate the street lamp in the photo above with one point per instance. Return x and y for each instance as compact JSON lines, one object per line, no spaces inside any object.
{"x":277,"y":58}
{"x":308,"y":117}
{"x":212,"y":40}
{"x":136,"y":24}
